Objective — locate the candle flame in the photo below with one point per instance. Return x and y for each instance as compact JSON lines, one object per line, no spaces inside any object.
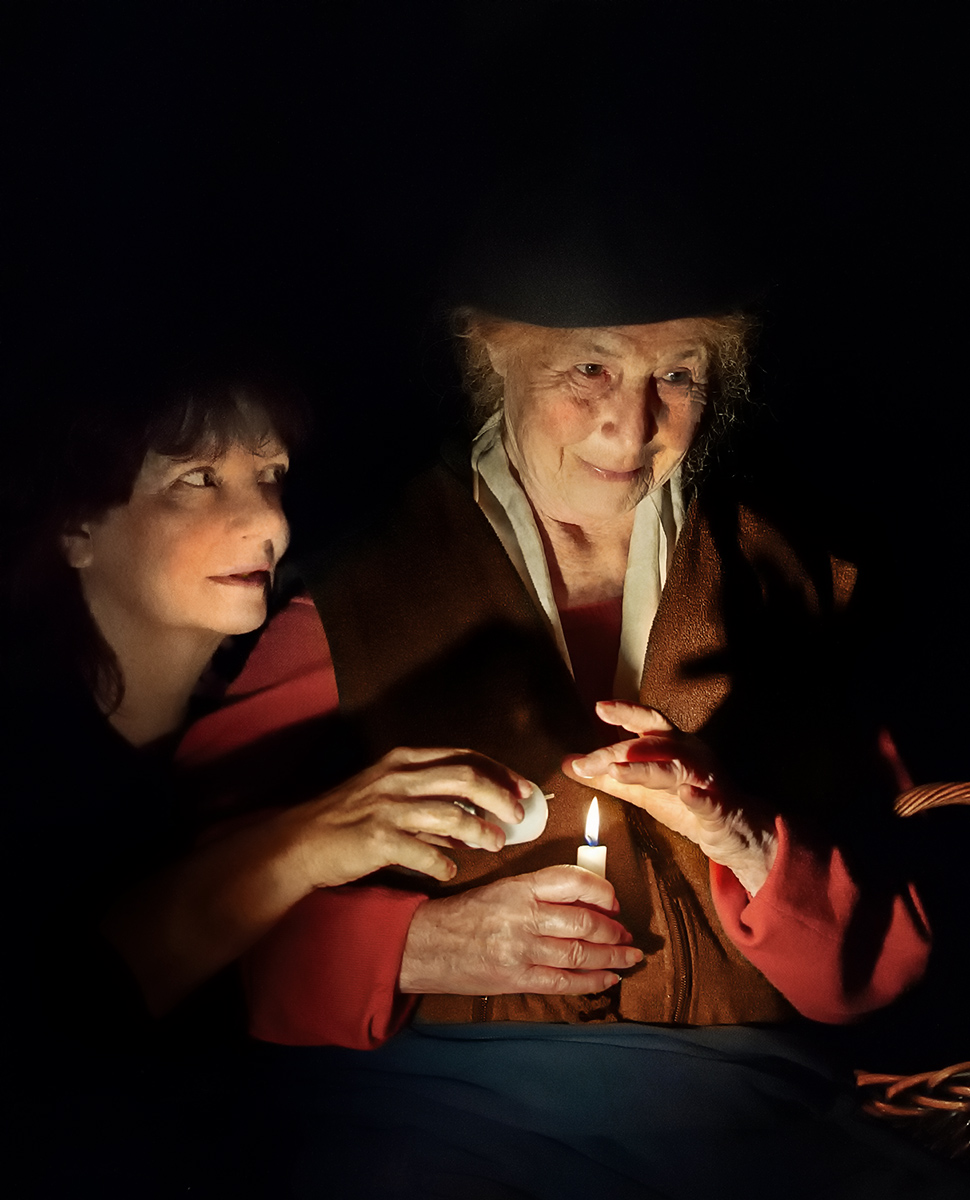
{"x":593,"y":823}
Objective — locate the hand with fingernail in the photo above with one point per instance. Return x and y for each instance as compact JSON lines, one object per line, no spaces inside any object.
{"x":671,"y":776}
{"x":550,"y":932}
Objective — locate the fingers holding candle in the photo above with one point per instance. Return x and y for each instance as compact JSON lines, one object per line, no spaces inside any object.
{"x":547,"y":932}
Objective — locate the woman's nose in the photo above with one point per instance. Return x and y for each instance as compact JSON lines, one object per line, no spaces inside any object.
{"x":259,"y":517}
{"x":631,"y":414}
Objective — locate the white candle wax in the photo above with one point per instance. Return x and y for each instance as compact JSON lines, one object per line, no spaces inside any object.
{"x":592,"y":856}
{"x":531,"y":825}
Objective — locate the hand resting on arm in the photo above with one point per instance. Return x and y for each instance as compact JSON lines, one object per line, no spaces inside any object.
{"x":669,"y":775}
{"x":201,"y":913}
{"x":547,"y":932}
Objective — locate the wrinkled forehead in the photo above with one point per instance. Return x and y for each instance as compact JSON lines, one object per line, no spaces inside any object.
{"x":686,"y":339}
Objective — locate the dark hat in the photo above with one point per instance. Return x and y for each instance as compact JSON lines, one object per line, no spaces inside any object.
{"x":618,"y":252}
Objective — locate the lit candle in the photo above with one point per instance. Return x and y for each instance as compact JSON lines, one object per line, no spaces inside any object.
{"x":592,"y":856}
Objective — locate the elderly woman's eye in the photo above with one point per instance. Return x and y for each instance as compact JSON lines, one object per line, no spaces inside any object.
{"x":679,"y":378}
{"x":591,"y":370}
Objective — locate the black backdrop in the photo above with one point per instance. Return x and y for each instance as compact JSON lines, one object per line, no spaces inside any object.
{"x":290,"y":174}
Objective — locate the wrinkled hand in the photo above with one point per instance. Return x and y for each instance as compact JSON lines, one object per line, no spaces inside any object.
{"x":543,"y":933}
{"x":670,"y":775}
{"x":389,"y":815}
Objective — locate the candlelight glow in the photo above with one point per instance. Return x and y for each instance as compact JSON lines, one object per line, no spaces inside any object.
{"x":593,"y":823}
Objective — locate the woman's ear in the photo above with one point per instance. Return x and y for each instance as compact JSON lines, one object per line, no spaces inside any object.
{"x":78,"y":547}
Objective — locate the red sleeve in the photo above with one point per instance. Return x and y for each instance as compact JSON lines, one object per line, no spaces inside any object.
{"x":327,"y":974}
{"x":833,"y":951}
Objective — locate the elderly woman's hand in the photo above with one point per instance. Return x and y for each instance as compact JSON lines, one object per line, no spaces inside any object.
{"x":188,"y":921}
{"x":670,"y":775}
{"x":392,"y":812}
{"x":547,"y":932}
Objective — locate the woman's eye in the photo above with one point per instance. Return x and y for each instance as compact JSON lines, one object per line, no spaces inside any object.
{"x":200,"y":477}
{"x":591,"y":370}
{"x":679,"y":378}
{"x":274,"y":474}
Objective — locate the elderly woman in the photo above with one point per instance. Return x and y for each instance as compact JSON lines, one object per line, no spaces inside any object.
{"x":577,"y":555}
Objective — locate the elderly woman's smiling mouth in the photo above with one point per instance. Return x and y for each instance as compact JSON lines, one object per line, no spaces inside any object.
{"x":610,"y":475}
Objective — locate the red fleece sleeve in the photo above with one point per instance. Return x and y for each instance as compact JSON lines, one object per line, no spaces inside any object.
{"x":833,"y":951}
{"x":327,"y":974}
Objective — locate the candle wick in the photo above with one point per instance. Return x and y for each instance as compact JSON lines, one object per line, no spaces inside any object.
{"x":590,"y":841}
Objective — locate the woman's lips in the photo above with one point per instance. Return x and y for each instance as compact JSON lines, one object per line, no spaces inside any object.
{"x":611,"y":476}
{"x":259,"y":577}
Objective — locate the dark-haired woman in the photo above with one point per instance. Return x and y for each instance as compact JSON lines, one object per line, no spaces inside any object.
{"x":152,"y":534}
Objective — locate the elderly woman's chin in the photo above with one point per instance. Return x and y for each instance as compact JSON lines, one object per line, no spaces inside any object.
{"x":601,"y":493}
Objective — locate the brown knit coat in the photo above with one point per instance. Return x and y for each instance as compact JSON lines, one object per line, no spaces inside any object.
{"x":436,"y":642}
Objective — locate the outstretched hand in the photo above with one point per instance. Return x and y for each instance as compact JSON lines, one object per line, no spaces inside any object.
{"x":671,"y":776}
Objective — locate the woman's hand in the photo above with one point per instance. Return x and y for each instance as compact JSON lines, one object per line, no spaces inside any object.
{"x":547,"y":932}
{"x":184,"y":924}
{"x":389,"y":815}
{"x":669,"y":774}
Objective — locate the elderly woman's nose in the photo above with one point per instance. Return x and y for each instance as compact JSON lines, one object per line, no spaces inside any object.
{"x":631,"y":414}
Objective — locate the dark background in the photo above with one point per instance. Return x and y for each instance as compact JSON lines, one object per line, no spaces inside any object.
{"x":290,"y":175}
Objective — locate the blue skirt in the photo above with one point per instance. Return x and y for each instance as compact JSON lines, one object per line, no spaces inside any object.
{"x":559,"y":1112}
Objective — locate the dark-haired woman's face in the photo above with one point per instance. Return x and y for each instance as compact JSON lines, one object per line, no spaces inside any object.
{"x":193,"y":549}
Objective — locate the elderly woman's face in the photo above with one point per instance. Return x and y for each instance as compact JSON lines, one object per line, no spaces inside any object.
{"x":597,"y":418}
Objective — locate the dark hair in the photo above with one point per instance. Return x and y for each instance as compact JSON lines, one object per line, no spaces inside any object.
{"x":92,"y":448}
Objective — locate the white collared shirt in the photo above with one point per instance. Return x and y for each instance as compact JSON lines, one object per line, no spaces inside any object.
{"x":656,"y":526}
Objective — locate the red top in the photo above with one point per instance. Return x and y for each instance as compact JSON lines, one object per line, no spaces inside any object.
{"x":592,"y":633}
{"x":327,"y":974}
